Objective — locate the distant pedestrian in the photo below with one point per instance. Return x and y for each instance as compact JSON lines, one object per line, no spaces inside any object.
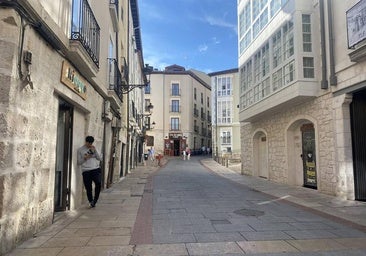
{"x":89,"y":159}
{"x":188,"y":152}
{"x":203,"y":150}
{"x":208,"y":150}
{"x":184,"y":154}
{"x":152,"y":154}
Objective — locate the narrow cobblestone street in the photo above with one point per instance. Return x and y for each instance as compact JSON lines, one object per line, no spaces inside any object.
{"x":199,"y":207}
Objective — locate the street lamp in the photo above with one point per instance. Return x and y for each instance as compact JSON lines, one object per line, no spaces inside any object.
{"x":127,"y":87}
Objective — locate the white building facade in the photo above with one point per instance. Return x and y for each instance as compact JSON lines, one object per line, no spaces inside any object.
{"x":182,"y":111}
{"x":225,"y":114}
{"x":302,"y":94}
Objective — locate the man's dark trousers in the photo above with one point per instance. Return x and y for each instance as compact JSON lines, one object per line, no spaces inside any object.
{"x":89,"y":177}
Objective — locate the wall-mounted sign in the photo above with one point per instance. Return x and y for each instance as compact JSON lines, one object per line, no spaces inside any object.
{"x":356,"y":23}
{"x":72,"y":79}
{"x":175,"y":135}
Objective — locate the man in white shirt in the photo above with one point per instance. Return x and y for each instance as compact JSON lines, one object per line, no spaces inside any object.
{"x":88,"y":157}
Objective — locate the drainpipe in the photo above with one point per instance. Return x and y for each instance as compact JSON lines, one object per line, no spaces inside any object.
{"x":127,"y":95}
{"x":332,"y":77}
{"x":324,"y":82}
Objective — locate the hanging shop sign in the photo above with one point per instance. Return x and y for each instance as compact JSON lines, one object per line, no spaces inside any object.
{"x":72,"y":79}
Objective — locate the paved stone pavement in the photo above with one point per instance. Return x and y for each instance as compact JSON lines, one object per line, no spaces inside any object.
{"x":199,"y":207}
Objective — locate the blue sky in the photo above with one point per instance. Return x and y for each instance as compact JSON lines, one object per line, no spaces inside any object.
{"x":195,"y":34}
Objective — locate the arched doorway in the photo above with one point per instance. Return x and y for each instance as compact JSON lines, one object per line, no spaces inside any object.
{"x":301,"y":154}
{"x":260,"y":154}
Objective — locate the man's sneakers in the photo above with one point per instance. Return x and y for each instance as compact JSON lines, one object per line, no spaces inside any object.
{"x":92,"y":204}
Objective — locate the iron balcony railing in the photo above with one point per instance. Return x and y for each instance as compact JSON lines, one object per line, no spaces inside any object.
{"x":175,"y":108}
{"x":115,"y":77}
{"x":195,"y":112}
{"x":85,"y":28}
{"x":174,"y":127}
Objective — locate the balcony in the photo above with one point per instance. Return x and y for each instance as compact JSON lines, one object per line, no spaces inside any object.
{"x":175,"y":108}
{"x":175,"y":92}
{"x":195,"y":112}
{"x":294,"y":94}
{"x":203,"y":116}
{"x":115,"y":78}
{"x":174,"y":127}
{"x":209,"y":119}
{"x":85,"y":38}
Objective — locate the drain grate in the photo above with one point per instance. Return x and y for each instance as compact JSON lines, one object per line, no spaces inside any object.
{"x":249,"y":212}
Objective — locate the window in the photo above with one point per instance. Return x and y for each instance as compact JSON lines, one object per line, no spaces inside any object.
{"x":244,"y":42}
{"x":265,"y":60}
{"x":308,"y":65}
{"x":306,"y":33}
{"x":175,"y":89}
{"x":208,"y":102}
{"x":226,"y":137}
{"x":246,"y":77}
{"x":276,"y":49}
{"x":266,"y":87}
{"x":277,"y":79}
{"x":175,"y":106}
{"x":224,"y":86}
{"x":148,"y":89}
{"x":289,"y":72}
{"x":201,"y":98}
{"x":224,"y":110}
{"x":195,"y":93}
{"x":288,"y":40}
{"x":275,"y":6}
{"x":257,"y":67}
{"x":256,"y":28}
{"x":257,"y":92}
{"x":147,"y":104}
{"x":244,"y":19}
{"x":174,"y":123}
{"x":264,"y":19}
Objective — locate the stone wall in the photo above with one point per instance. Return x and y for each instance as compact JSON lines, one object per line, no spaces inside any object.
{"x":27,"y":128}
{"x":28,"y":132}
{"x":318,"y":111}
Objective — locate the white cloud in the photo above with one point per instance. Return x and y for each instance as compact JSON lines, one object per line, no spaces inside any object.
{"x":203,"y":48}
{"x":219,"y":22}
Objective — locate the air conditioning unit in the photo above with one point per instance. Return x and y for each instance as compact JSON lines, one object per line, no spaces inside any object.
{"x":107,"y":115}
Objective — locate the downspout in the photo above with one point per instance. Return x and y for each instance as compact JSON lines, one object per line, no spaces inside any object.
{"x":332,"y":77}
{"x":127,"y":95}
{"x":324,"y":82}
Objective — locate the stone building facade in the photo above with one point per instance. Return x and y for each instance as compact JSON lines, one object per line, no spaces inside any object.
{"x":59,"y":84}
{"x":182,"y":111}
{"x":302,"y":102}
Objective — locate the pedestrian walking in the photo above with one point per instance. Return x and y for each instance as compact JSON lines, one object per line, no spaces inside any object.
{"x":89,"y":158}
{"x":184,"y":154}
{"x":188,"y":152}
{"x":152,"y":154}
{"x":203,"y":150}
{"x":208,"y":150}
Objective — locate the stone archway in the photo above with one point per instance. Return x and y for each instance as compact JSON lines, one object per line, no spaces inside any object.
{"x":295,"y":170}
{"x":260,"y":154}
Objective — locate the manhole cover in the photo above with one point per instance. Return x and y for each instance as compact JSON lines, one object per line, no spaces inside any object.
{"x":249,"y":212}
